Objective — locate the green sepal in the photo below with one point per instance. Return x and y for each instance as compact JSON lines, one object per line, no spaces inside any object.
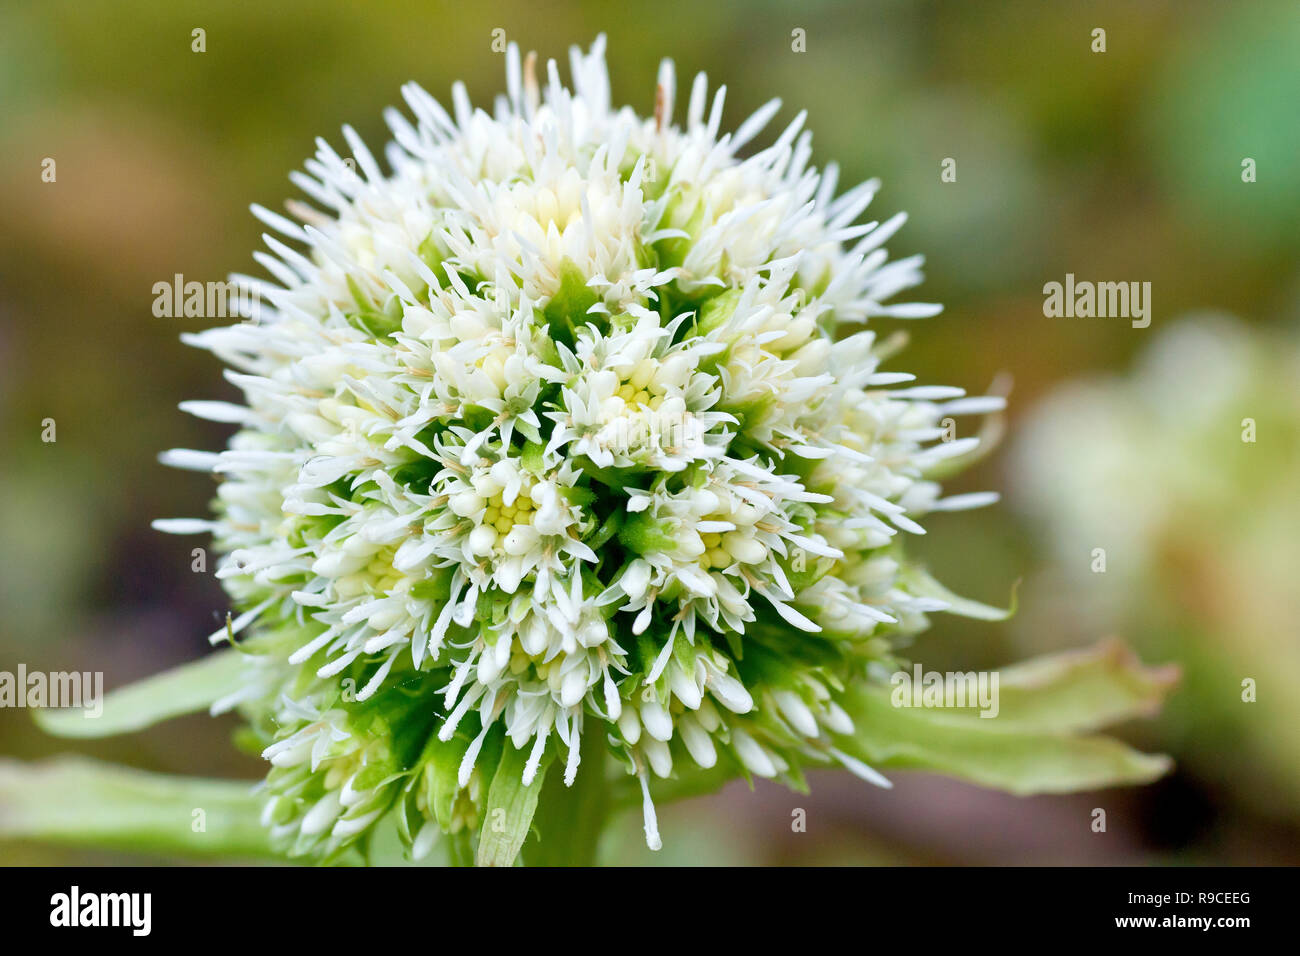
{"x":567,"y":309}
{"x":182,"y":690}
{"x":376,"y":322}
{"x":812,"y":571}
{"x":717,"y":310}
{"x":533,"y":458}
{"x":642,"y":532}
{"x":919,"y":582}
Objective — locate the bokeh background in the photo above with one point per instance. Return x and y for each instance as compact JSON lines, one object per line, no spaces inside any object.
{"x":1123,"y":165}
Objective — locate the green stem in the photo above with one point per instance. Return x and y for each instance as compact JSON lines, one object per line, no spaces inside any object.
{"x":570,"y":820}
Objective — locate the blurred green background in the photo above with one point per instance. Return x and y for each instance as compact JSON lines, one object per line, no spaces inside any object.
{"x":1123,"y":165}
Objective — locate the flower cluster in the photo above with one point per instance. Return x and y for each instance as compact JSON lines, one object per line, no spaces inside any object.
{"x":569,"y":424}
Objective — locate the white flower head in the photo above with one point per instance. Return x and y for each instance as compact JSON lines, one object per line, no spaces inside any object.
{"x":565,"y":423}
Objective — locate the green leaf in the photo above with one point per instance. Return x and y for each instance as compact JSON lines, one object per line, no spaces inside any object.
{"x":1028,"y":747}
{"x":181,"y":690}
{"x":508,"y":814}
{"x":1082,"y":689}
{"x":72,"y":800}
